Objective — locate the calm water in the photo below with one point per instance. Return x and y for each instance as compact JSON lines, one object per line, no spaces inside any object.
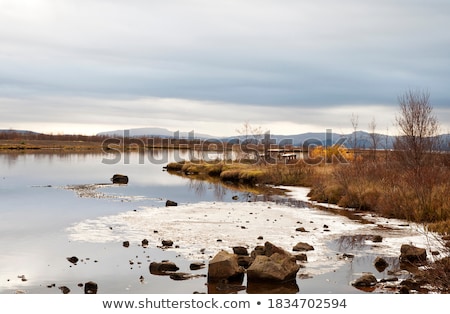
{"x":37,"y":207}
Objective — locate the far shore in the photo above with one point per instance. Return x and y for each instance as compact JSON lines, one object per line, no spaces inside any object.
{"x":19,"y":145}
{"x":97,"y":145}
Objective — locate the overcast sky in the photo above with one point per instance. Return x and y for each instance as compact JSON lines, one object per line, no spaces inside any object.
{"x":288,"y":66}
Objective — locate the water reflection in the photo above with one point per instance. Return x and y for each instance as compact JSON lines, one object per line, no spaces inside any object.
{"x":290,"y":287}
{"x":37,"y":213}
{"x":224,"y":287}
{"x":347,"y":243}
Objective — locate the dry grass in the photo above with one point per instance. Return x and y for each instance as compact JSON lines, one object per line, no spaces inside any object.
{"x":382,"y":186}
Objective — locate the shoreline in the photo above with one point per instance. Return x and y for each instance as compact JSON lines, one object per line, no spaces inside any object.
{"x":201,"y":230}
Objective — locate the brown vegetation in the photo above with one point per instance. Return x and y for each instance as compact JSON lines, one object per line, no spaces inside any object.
{"x":12,"y":141}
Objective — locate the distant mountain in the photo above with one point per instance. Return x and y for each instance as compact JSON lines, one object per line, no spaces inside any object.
{"x":326,"y":138}
{"x":21,"y":132}
{"x":359,"y":139}
{"x":153,"y":132}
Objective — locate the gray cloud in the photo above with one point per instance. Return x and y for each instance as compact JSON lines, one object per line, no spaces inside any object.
{"x":288,"y":55}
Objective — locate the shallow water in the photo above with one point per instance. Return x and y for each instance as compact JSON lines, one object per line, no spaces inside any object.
{"x":43,"y":196}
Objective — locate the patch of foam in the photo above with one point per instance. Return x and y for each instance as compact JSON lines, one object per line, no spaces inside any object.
{"x":200,"y":230}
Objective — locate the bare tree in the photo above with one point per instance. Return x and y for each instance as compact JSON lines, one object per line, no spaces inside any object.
{"x":374,"y":137}
{"x":422,"y":168}
{"x":251,"y":137}
{"x":250,"y":133}
{"x":355,"y":122}
{"x":386,"y":145}
{"x":418,"y":128}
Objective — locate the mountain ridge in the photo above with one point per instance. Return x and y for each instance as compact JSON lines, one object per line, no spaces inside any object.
{"x":359,"y":139}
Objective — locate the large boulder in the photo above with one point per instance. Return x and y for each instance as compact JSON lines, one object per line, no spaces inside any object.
{"x":276,"y":265}
{"x":412,"y":254}
{"x":225,"y":266}
{"x":276,"y":268}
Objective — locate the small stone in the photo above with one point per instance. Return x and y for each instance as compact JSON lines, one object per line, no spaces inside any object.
{"x":167,"y":242}
{"x":366,"y":280}
{"x":196,"y":266}
{"x":171,"y":203}
{"x":90,"y":287}
{"x":64,"y":289}
{"x":380,"y":264}
{"x":73,"y":259}
{"x":301,"y":246}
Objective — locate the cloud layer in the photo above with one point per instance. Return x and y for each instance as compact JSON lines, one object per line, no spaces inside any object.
{"x":86,"y":66}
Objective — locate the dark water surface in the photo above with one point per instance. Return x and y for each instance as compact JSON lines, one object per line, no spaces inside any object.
{"x":41,"y":196}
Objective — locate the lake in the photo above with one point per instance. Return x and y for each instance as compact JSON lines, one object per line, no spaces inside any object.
{"x":55,"y":206}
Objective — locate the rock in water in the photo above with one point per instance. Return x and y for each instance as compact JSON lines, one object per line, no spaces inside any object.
{"x":302,"y":246}
{"x":224,"y":266}
{"x":366,"y":280}
{"x":163,"y":268}
{"x":171,"y":203}
{"x":380,"y":264}
{"x":412,"y":254}
{"x":73,"y":259}
{"x":119,"y":179}
{"x":90,"y":287}
{"x":276,"y":265}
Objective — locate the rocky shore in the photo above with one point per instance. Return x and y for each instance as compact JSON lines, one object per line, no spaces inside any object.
{"x":266,"y":247}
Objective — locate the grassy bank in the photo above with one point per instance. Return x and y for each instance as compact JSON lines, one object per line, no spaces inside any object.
{"x":246,"y":173}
